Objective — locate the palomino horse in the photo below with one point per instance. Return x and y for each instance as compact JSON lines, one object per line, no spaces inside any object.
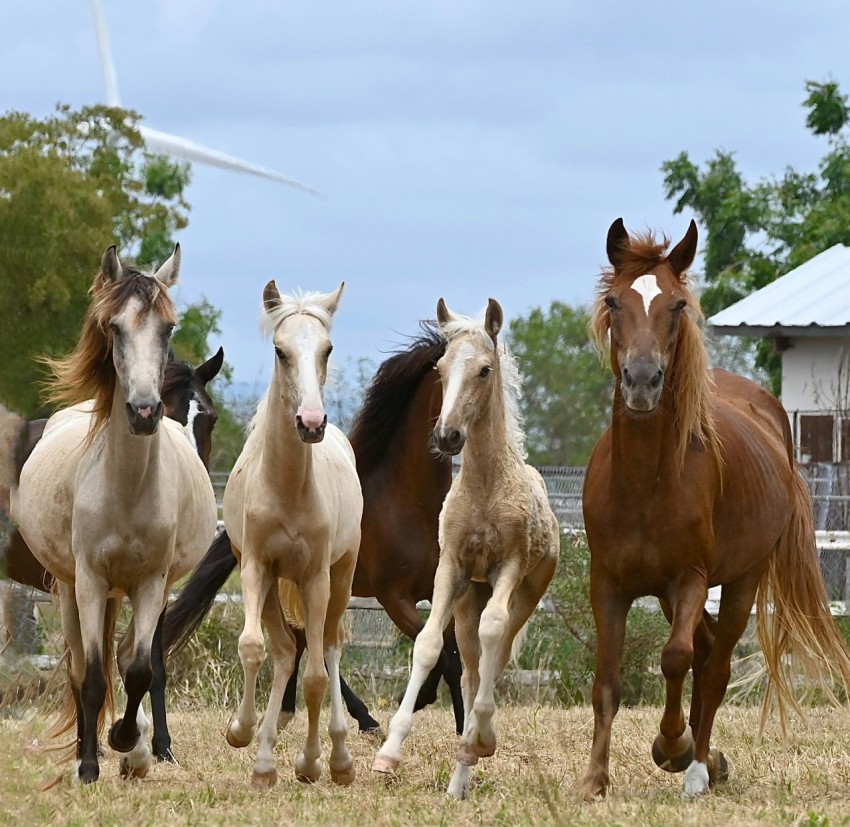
{"x":499,"y":539}
{"x":693,"y":485}
{"x":292,"y":508}
{"x":114,"y":502}
{"x":404,"y":484}
{"x":185,"y":400}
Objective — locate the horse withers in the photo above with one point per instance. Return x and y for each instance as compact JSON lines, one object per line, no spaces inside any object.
{"x":693,"y":485}
{"x":499,"y":540}
{"x":114,"y":500}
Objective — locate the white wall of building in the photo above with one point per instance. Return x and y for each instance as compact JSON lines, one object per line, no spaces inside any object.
{"x":816,"y":374}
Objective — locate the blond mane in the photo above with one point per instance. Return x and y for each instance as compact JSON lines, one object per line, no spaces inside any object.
{"x":690,"y":378}
{"x":308,"y":303}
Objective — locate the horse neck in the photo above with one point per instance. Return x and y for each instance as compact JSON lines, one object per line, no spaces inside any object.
{"x":644,"y":449}
{"x":132,"y":459}
{"x":287,"y":461}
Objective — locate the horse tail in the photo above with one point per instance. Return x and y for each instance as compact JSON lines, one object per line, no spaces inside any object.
{"x":66,"y":718}
{"x":290,"y":602}
{"x":184,"y":616}
{"x":794,"y":624}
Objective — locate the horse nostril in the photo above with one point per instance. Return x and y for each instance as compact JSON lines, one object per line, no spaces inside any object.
{"x":658,"y":378}
{"x":454,"y":439}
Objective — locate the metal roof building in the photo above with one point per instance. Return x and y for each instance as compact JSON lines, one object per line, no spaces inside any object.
{"x":807,"y":314}
{"x":811,"y":300}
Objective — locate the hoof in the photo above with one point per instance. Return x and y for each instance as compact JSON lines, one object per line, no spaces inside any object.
{"x":118,"y":743}
{"x":88,"y":772}
{"x":127,"y":772}
{"x":388,"y":766}
{"x":343,"y":777}
{"x":235,"y":740}
{"x":264,"y":780}
{"x":166,"y":757}
{"x":307,"y":774}
{"x":594,"y":785}
{"x":718,"y":767}
{"x":674,"y":756}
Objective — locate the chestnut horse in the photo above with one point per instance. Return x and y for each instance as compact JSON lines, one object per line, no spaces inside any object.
{"x":693,"y":485}
{"x":404,"y":482}
{"x":499,"y":540}
{"x":185,"y":400}
{"x":114,"y":501}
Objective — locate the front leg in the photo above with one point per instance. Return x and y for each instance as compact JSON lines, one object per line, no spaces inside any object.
{"x":450,"y":583}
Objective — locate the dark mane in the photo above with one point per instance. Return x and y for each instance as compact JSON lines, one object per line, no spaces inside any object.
{"x":642,"y":254}
{"x":176,"y":373}
{"x":389,"y":394}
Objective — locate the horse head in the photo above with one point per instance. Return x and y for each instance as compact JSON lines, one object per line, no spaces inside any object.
{"x":641,"y":303}
{"x":186,"y":400}
{"x":137,"y":313}
{"x":300,"y":329}
{"x":467,"y":371}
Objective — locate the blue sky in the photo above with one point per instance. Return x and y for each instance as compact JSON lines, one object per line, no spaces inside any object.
{"x":466,"y":149}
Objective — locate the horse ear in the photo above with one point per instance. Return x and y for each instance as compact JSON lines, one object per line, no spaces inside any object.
{"x":209,"y":369}
{"x":443,"y":313}
{"x":110,"y":266}
{"x":271,"y":296}
{"x":493,"y":318}
{"x":331,"y":302}
{"x":682,"y":255}
{"x":169,"y":271}
{"x":618,"y":240}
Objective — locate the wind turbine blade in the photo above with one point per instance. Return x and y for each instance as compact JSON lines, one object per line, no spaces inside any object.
{"x":162,"y":142}
{"x":110,"y":79}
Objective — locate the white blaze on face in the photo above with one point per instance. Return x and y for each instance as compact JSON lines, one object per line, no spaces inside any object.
{"x":454,"y":381}
{"x":189,"y":427}
{"x":648,"y":288}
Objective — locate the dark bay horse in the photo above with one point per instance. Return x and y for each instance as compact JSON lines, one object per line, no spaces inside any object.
{"x":404,"y":484}
{"x":694,"y":485}
{"x":185,"y":399}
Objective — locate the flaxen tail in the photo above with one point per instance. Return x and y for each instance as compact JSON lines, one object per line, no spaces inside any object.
{"x":66,"y":720}
{"x":801,"y":642}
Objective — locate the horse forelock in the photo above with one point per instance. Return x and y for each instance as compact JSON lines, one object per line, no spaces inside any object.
{"x":390,"y":394}
{"x":306,"y":303}
{"x":691,"y":378}
{"x":88,"y":372}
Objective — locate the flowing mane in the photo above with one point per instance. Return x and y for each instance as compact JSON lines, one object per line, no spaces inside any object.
{"x":88,"y":372}
{"x":691,"y":377}
{"x":389,"y":395}
{"x":510,"y":378}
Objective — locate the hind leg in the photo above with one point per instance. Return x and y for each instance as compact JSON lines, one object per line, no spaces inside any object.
{"x":709,"y":766}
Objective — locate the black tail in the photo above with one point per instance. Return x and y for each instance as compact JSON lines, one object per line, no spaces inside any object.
{"x":183,"y":617}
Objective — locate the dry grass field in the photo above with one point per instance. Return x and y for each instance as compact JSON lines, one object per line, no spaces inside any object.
{"x":803,"y":780}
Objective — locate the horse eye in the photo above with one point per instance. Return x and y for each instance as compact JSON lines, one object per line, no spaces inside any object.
{"x":611,"y":302}
{"x":680,"y":305}
{"x":280,"y":354}
{"x":114,"y":329}
{"x":485,"y":371}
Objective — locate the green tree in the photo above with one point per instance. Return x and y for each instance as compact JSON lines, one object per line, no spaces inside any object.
{"x":758,"y":232}
{"x":70,"y":185}
{"x":567,"y":395}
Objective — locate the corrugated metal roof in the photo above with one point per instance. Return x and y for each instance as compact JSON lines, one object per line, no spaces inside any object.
{"x":814,"y":295}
